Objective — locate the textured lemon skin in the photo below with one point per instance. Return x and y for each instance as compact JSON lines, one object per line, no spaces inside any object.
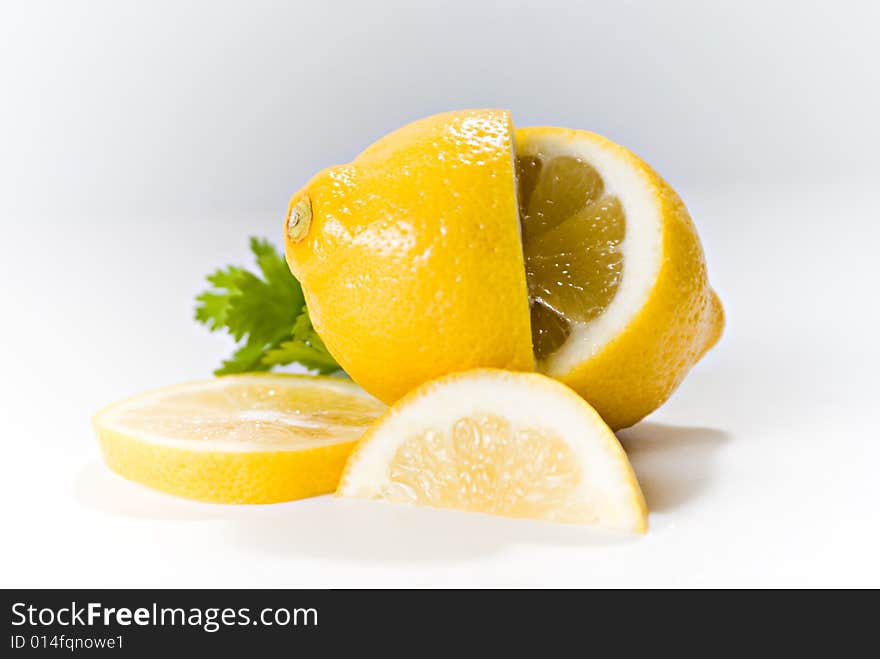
{"x":412,"y":265}
{"x":681,"y":318}
{"x":226,"y":477}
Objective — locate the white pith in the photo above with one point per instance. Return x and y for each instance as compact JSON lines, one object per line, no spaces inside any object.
{"x":606,"y":475}
{"x":110,"y":418}
{"x":641,"y":247}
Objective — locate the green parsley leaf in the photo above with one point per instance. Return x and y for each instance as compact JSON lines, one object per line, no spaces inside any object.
{"x":247,"y":359}
{"x":213,"y":305}
{"x":304,"y":348}
{"x":265,"y":314}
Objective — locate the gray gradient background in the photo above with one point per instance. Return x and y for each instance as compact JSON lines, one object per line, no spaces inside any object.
{"x":218,"y":106}
{"x":142,"y":142}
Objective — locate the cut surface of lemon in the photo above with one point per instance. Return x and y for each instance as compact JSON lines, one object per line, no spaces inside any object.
{"x":575,"y":243}
{"x":502,"y":443}
{"x":238,"y":438}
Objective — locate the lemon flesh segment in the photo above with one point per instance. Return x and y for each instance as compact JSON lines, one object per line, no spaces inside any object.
{"x":483,"y":464}
{"x":473,"y":442}
{"x":572,"y":235}
{"x":249,"y":414}
{"x":238,"y":439}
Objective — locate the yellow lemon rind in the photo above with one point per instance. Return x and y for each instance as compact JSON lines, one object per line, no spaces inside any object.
{"x":412,"y":264}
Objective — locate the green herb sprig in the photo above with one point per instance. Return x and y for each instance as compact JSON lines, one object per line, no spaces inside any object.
{"x":266,"y":315}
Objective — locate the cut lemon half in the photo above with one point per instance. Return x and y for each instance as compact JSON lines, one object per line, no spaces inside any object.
{"x":238,"y":439}
{"x":502,"y":443}
{"x":621,"y":307}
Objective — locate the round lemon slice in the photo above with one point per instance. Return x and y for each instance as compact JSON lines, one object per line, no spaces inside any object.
{"x":502,"y":443}
{"x":238,"y":439}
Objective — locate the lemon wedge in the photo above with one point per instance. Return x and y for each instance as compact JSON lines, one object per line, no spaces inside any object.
{"x":502,"y":443}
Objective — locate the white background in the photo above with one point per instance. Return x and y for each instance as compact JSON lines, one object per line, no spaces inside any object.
{"x":142,"y":142}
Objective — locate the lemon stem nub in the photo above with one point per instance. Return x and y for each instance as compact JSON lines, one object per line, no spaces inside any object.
{"x":299,"y":219}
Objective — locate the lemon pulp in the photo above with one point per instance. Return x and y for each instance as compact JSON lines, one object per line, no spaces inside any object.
{"x":572,"y":231}
{"x":483,"y":464}
{"x":253,"y":413}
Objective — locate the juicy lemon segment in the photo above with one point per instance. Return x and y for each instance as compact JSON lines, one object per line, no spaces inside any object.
{"x":238,"y":439}
{"x":502,"y":443}
{"x":572,"y":235}
{"x":482,"y":464}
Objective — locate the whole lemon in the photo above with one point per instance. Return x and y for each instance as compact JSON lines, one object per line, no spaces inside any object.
{"x":457,"y":242}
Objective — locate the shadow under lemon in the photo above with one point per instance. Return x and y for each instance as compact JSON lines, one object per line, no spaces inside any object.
{"x":98,"y":488}
{"x":673,"y":465}
{"x":331,"y":528}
